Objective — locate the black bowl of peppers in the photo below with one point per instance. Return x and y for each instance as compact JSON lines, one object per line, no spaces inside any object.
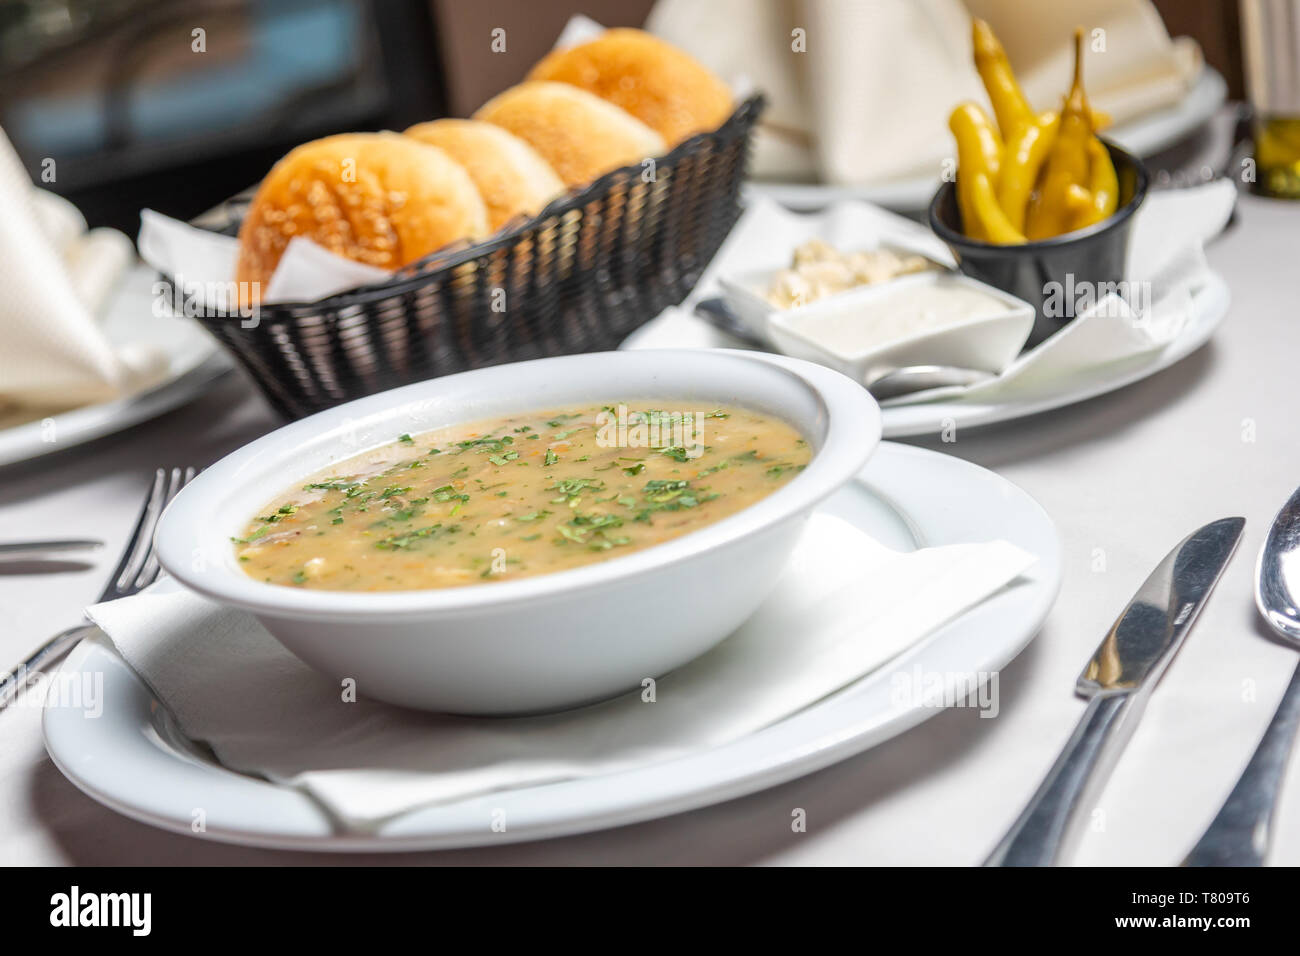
{"x":1061,"y":275}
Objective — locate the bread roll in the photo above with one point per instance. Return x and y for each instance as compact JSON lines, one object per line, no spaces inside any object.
{"x":379,"y":198}
{"x":664,"y":87}
{"x":579,"y":134}
{"x":509,"y":174}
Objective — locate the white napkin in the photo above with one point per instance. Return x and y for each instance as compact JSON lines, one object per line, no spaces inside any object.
{"x":861,"y":92}
{"x":1166,"y":251}
{"x":845,"y":606}
{"x":55,"y":277}
{"x":202,"y":264}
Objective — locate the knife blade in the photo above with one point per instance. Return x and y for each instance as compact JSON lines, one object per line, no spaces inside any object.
{"x":1117,"y":681}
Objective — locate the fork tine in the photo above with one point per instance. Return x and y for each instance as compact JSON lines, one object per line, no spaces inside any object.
{"x":133,"y":554}
{"x":149,"y":570}
{"x":138,"y":551}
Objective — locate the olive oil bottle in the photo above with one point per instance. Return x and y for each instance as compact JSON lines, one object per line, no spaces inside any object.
{"x":1270,"y":35}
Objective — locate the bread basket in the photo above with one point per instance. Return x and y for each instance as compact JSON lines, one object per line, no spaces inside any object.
{"x":579,"y":277}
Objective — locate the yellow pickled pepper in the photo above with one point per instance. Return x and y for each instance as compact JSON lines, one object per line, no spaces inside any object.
{"x":1061,"y":197}
{"x":1104,"y":186}
{"x":1009,"y":104}
{"x":1021,"y":162}
{"x":979,"y":158}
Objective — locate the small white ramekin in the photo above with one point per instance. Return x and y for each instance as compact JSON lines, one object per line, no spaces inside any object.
{"x":553,"y":640}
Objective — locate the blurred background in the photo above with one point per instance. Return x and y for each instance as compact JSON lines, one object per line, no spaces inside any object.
{"x":178,"y":105}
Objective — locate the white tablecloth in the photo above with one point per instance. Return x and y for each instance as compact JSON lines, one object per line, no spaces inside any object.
{"x":1125,"y":476}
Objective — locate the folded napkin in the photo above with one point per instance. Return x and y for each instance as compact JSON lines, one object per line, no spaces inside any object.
{"x":845,"y":606}
{"x":861,"y":92}
{"x":202,"y":264}
{"x":1166,"y":254}
{"x":56,"y":277}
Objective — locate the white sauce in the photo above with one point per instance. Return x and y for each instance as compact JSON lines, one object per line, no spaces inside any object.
{"x":899,"y":314}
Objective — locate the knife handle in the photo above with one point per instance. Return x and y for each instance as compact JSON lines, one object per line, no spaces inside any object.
{"x":1240,"y":834}
{"x":1035,"y":838}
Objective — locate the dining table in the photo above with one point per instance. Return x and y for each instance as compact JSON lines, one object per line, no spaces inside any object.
{"x":1124,"y":476}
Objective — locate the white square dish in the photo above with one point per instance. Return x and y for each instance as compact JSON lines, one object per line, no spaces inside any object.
{"x":823,"y":331}
{"x":746,"y":292}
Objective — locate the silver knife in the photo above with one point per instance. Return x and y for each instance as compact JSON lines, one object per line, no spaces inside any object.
{"x":1117,"y":681}
{"x":24,"y":550}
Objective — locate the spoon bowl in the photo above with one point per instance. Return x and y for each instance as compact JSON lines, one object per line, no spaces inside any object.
{"x":1277,"y":575}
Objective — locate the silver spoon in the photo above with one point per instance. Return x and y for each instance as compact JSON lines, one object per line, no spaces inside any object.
{"x":885,"y":384}
{"x":897,"y":382}
{"x":1240,"y":834}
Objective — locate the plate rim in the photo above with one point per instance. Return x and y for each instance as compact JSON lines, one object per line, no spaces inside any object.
{"x":1216,"y":300}
{"x":1212,"y":301}
{"x":77,"y":426}
{"x":665,"y":788}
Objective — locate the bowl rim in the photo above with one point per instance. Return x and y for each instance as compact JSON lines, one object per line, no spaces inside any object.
{"x":1114,"y":221}
{"x":852,"y":432}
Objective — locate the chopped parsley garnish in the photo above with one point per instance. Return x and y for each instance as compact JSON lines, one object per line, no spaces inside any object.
{"x":280,"y":515}
{"x":399,"y":541}
{"x":333,"y":484}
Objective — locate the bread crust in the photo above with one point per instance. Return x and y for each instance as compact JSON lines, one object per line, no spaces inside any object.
{"x":379,"y":198}
{"x":511,"y":176}
{"x":661,"y":85}
{"x":578,"y":133}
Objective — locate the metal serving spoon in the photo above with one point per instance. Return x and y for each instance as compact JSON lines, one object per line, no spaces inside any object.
{"x":898,"y":382}
{"x":1240,"y":834}
{"x":890,"y":383}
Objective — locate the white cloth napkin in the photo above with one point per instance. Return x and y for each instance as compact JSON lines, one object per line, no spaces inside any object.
{"x":845,"y":606}
{"x":861,"y":92}
{"x":1166,"y":251}
{"x":56,"y":277}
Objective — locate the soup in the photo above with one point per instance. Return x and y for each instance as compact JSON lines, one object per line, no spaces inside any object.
{"x":519,"y":496}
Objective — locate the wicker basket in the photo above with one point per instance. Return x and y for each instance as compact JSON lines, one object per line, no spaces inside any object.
{"x":579,"y":277}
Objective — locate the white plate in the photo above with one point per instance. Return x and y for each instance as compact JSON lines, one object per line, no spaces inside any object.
{"x":195,"y":362}
{"x":677,"y":329}
{"x":1144,"y":136}
{"x":132,"y":759}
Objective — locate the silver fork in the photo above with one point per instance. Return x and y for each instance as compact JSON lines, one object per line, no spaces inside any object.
{"x":136,"y":571}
